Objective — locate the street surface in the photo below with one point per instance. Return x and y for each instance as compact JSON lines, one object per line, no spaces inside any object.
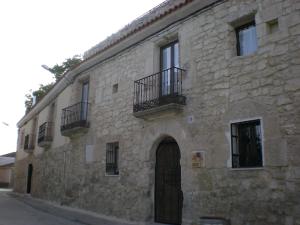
{"x":15,"y":212}
{"x":24,"y":210}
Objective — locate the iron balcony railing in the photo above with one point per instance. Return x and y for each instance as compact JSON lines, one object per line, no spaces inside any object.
{"x":45,"y":132}
{"x":162,"y":88}
{"x":75,"y":116}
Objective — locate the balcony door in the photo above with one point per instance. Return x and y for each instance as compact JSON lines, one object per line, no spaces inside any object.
{"x":169,"y":63}
{"x":84,"y":100}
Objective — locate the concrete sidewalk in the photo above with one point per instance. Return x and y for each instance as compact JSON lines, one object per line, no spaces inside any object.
{"x":68,"y":213}
{"x":24,"y":207}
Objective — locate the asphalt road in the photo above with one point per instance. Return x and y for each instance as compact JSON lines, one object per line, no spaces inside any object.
{"x":24,"y":210}
{"x":15,"y":212}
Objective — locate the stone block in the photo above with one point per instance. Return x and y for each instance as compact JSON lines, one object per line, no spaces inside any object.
{"x":292,"y":85}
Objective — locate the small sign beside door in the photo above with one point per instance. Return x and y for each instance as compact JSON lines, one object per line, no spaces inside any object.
{"x":198,"y":159}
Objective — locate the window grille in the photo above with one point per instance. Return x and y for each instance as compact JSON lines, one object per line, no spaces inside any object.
{"x":112,"y":152}
{"x":246,"y":144}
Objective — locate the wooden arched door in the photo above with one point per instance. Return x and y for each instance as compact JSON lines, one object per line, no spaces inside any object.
{"x":168,"y":193}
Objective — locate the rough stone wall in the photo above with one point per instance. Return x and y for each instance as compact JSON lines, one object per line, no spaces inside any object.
{"x":220,"y":87}
{"x":20,"y":178}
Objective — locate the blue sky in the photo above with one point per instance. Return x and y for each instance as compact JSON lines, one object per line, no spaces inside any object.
{"x":35,"y":32}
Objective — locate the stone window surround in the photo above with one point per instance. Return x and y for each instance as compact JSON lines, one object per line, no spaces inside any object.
{"x":238,"y":40}
{"x":262,"y":143}
{"x":160,"y":42}
{"x":237,"y":20}
{"x":78,"y":87}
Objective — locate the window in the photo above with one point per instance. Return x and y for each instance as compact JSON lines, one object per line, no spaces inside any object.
{"x":246,"y":144}
{"x":52,"y":112}
{"x":169,"y":68}
{"x":115,"y":88}
{"x":272,"y":26}
{"x":84,"y":100}
{"x":112,"y":152}
{"x":246,"y":39}
{"x":21,"y":140}
{"x":26,"y":142}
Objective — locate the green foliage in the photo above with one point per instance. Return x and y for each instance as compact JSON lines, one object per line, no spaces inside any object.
{"x":28,"y":102}
{"x":68,"y":64}
{"x":42,"y":91}
{"x":58,"y":71}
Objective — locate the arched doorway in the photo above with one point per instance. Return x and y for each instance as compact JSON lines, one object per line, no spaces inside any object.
{"x":168,"y":193}
{"x":29,"y":177}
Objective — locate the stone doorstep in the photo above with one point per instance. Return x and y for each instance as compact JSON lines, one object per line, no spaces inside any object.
{"x":69,"y":213}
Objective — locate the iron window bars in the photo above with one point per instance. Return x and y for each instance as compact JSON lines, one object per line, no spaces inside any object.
{"x":112,"y":152}
{"x":246,"y":144}
{"x":45,"y":132}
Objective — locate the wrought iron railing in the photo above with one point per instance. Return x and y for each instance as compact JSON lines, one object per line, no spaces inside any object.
{"x":159,"y":89}
{"x":45,"y":132}
{"x":75,"y":116}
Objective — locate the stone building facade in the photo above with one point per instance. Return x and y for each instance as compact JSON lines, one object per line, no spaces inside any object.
{"x":190,"y":112}
{"x":7,"y":162}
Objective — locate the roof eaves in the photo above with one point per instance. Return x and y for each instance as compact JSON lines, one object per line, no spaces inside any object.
{"x":136,"y":26}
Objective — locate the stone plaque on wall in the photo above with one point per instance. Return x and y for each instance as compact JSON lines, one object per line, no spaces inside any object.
{"x":198,"y":159}
{"x":89,"y":153}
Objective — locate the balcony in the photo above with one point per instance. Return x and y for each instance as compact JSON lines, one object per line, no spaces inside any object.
{"x":74,"y":119}
{"x":29,"y":143}
{"x":159,"y":92}
{"x":45,"y":134}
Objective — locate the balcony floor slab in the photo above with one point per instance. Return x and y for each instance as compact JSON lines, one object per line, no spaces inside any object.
{"x":172,"y":108}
